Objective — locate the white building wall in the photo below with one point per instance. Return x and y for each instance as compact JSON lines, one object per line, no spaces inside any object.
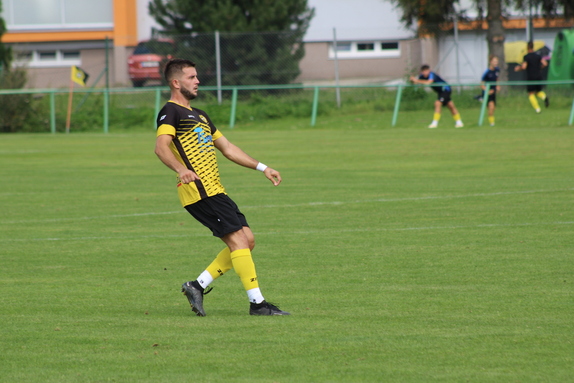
{"x":145,"y":21}
{"x":355,"y":20}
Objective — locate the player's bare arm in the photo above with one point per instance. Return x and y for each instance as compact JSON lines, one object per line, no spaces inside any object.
{"x":491,"y":90}
{"x":164,"y":153}
{"x":419,"y":81}
{"x":235,"y":154}
{"x":520,"y":67}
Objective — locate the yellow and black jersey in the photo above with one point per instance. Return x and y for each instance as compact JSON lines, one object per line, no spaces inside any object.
{"x":192,"y":145}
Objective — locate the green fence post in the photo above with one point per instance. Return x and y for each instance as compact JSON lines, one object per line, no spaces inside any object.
{"x":397,"y":105}
{"x":315,"y":106}
{"x":106,"y":110}
{"x":233,"y":108}
{"x":157,"y":105}
{"x":53,"y":111}
{"x":484,"y":104}
{"x":571,"y":120}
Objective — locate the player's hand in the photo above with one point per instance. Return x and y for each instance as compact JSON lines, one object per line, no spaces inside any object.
{"x":272,"y":175}
{"x":412,"y":78}
{"x":187,"y":176}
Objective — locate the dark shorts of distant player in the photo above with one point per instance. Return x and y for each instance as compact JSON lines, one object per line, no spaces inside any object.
{"x":444,"y":98}
{"x":491,"y":98}
{"x":534,"y":88}
{"x":219,"y":214}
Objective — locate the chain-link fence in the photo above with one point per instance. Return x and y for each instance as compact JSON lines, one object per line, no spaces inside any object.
{"x":223,"y":59}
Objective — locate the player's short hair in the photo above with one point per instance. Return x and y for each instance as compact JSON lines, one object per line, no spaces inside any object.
{"x":530,"y":45}
{"x":175,"y":67}
{"x":424,"y":67}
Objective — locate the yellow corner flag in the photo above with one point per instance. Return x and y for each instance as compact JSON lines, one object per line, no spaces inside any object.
{"x":79,"y":76}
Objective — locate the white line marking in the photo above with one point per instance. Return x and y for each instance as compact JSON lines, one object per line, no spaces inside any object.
{"x":319,"y":203}
{"x":297,"y":232}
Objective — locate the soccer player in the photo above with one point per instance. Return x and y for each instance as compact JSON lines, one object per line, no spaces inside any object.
{"x":443,"y":91}
{"x":491,"y":76}
{"x":533,"y":64}
{"x":186,"y":143}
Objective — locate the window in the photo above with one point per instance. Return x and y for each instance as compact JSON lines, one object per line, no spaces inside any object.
{"x":389,"y":46}
{"x":46,"y":58}
{"x":366,"y":46}
{"x":343,"y":47}
{"x":71,"y":55}
{"x":23,"y":56}
{"x":57,"y":14}
{"x":47,"y":55}
{"x":365,"y":49}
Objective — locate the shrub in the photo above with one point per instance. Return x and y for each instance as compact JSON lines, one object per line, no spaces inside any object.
{"x":16,"y":108}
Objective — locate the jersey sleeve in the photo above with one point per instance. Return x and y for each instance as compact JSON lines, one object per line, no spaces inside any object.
{"x":167,"y":120}
{"x":165,"y":129}
{"x":217,"y":134}
{"x":432,"y":76}
{"x":484,"y":78}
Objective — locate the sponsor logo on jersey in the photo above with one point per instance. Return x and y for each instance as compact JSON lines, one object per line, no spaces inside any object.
{"x":203,"y":119}
{"x":204,"y":140}
{"x":162,"y":117}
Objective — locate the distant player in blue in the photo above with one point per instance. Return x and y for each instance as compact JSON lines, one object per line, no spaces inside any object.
{"x":443,"y":91}
{"x":491,"y":76}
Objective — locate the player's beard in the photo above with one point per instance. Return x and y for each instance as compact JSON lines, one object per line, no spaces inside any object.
{"x":187,"y":94}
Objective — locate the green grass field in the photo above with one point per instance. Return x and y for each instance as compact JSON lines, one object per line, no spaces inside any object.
{"x":404,"y":255}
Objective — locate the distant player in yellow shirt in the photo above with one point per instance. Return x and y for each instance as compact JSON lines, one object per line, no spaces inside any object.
{"x":186,"y":143}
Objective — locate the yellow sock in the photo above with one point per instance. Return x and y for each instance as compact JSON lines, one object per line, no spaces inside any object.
{"x":456,"y":117}
{"x":245,"y":268}
{"x":221,"y":264}
{"x":534,"y":102}
{"x":491,"y":120}
{"x":541,"y":95}
{"x":436,"y":117}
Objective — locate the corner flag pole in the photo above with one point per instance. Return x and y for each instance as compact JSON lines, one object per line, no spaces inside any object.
{"x":69,"y":115}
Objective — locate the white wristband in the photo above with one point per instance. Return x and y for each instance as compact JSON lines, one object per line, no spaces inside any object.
{"x":261,"y":167}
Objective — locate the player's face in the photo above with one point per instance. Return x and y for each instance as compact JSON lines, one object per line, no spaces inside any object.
{"x":494,"y":62}
{"x":425,"y":72}
{"x":188,"y":83}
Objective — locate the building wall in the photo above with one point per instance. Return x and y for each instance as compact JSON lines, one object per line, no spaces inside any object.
{"x":80,"y":25}
{"x":318,"y":66}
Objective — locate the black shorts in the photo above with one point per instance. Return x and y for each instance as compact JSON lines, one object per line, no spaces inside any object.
{"x":218,"y":213}
{"x":444,"y":97}
{"x":491,"y":97}
{"x":533,"y":88}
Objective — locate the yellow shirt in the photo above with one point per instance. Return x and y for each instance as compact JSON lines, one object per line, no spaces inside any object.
{"x":192,"y":145}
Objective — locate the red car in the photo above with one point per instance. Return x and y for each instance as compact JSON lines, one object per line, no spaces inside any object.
{"x":145,"y":62}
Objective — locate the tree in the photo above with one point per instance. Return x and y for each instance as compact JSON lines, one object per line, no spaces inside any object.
{"x":5,"y":52}
{"x":15,"y":109}
{"x":432,"y":14}
{"x":261,"y":40}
